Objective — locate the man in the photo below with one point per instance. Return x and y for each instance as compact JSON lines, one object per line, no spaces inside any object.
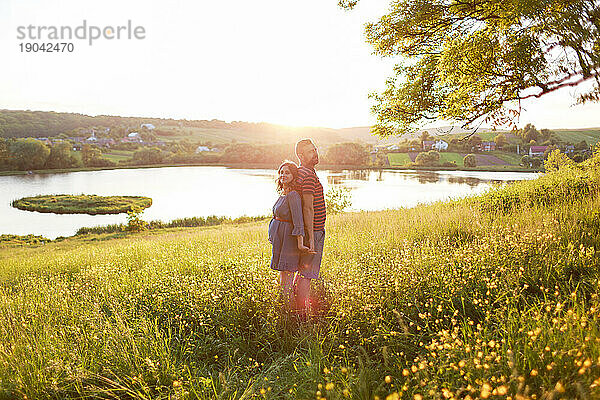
{"x":313,"y":209}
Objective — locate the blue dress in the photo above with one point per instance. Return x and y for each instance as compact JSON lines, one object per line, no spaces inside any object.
{"x":283,"y":235}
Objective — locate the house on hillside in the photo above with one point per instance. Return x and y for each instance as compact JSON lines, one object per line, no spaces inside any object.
{"x":428,"y":145}
{"x":440,"y":145}
{"x":201,"y":149}
{"x":393,"y":147}
{"x":147,"y":126}
{"x":105,"y":142}
{"x":537,"y":151}
{"x":487,"y":146}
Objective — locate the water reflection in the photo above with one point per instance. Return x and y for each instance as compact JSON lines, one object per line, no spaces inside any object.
{"x":179,"y":192}
{"x":468,"y":180}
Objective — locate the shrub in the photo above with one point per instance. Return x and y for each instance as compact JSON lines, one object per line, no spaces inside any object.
{"x":470,"y":160}
{"x":557,"y":160}
{"x":337,"y":199}
{"x":526,"y":161}
{"x":429,"y":158}
{"x":135,"y":223}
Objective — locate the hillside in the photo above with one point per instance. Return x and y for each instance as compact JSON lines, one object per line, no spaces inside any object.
{"x":16,"y":123}
{"x":489,"y":297}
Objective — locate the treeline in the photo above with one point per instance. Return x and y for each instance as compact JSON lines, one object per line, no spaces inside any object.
{"x":32,"y":154}
{"x":25,"y":154}
{"x":247,"y":153}
{"x":49,"y":123}
{"x":16,"y":123}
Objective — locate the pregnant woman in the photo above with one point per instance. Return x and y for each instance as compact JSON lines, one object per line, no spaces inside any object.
{"x":286,"y":229}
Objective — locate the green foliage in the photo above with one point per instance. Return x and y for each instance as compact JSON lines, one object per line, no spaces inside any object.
{"x":81,"y":204}
{"x":251,"y":153}
{"x":61,"y":157}
{"x":347,"y":154}
{"x":28,"y":154}
{"x":22,"y":240}
{"x":4,"y":154}
{"x":429,"y":158}
{"x":470,"y":161}
{"x":557,"y":160}
{"x":337,"y":199}
{"x":500,"y":140}
{"x":536,"y":162}
{"x":472,"y":61}
{"x":91,"y":156}
{"x":564,"y":181}
{"x":146,"y":156}
{"x":135,"y":223}
{"x":189,"y":222}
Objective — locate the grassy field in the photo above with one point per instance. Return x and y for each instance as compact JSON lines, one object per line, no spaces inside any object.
{"x":118,"y":155}
{"x":591,"y":136}
{"x":491,"y":297}
{"x":81,"y":204}
{"x":449,"y":157}
{"x":398,"y":159}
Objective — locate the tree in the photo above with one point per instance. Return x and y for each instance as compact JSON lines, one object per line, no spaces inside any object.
{"x":92,"y":157}
{"x":424,"y":136}
{"x":148,"y":156}
{"x":347,"y":154}
{"x":500,"y":140}
{"x":61,"y":157}
{"x":26,"y":154}
{"x":475,"y":141}
{"x":4,"y":154}
{"x":470,"y":160}
{"x":474,"y":61}
{"x":89,"y":153}
{"x":536,"y":162}
{"x":557,"y":160}
{"x":529,"y":133}
{"x":526,"y":161}
{"x":429,"y":158}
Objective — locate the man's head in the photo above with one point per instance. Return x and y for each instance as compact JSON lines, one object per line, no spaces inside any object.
{"x":306,"y":151}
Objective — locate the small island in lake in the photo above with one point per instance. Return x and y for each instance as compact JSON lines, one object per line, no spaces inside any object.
{"x":82,"y":204}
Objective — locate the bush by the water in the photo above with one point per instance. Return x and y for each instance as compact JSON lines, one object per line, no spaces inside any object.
{"x":8,"y":239}
{"x":81,"y":204}
{"x":470,"y":160}
{"x":445,"y":301}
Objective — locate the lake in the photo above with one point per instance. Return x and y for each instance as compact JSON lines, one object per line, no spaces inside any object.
{"x":179,"y":192}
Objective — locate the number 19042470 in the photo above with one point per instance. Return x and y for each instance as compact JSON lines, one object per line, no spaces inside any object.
{"x":46,"y":47}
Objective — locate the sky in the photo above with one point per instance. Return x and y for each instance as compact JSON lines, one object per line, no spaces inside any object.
{"x":285,"y":62}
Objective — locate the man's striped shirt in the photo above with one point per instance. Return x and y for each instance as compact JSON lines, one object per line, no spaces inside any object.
{"x":309,"y":183}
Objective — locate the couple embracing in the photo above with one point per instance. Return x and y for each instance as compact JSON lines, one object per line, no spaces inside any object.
{"x":297,"y":230}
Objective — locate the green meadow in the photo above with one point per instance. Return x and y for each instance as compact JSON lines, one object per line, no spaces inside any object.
{"x":489,"y":297}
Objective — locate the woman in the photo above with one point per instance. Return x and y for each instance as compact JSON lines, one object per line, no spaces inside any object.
{"x":286,"y":229}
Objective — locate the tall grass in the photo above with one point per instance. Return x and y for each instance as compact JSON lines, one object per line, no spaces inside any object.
{"x":188,"y":222}
{"x":450,"y":300}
